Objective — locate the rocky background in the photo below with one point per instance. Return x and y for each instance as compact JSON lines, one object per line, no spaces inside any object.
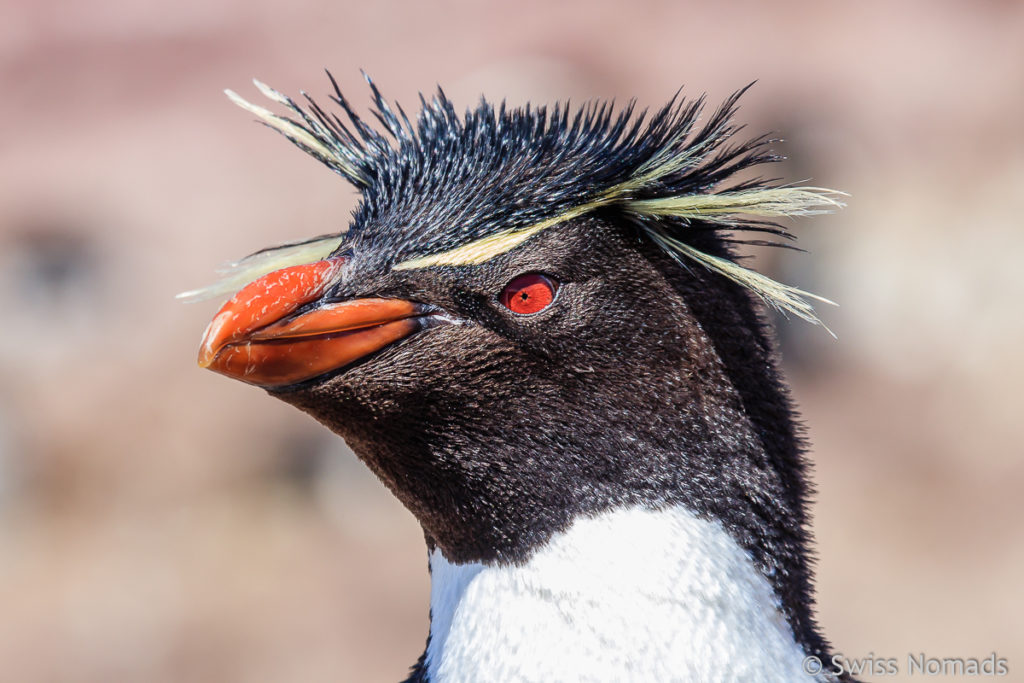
{"x":161,"y":523}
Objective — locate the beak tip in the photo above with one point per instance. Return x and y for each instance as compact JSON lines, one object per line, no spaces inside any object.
{"x":215,"y":337}
{"x":206,"y":357}
{"x":263,"y":301}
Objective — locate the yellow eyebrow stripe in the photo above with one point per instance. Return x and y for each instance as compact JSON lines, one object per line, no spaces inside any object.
{"x":486,"y":248}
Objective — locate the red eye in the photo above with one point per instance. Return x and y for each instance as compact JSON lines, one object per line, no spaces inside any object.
{"x":528,"y":294}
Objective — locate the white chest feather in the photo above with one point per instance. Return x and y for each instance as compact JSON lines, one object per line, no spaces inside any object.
{"x":630,"y":595}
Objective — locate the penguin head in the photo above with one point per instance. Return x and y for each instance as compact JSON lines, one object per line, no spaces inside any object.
{"x":533,"y":315}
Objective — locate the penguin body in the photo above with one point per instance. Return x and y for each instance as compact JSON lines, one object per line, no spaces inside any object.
{"x":630,"y":594}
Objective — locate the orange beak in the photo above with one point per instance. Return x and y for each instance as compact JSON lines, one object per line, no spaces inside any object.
{"x":255,"y":337}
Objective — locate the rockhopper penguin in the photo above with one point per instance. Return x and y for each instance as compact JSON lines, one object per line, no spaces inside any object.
{"x":536,"y":333}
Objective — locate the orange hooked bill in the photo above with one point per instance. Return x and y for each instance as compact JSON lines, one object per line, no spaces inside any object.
{"x":264,"y":301}
{"x":254,"y":339}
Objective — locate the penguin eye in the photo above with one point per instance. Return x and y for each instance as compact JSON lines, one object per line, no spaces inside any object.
{"x":530,"y":293}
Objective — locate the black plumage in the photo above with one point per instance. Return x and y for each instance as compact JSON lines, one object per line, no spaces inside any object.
{"x":651,"y":379}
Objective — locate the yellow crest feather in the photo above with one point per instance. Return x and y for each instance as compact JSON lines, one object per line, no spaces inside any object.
{"x":297,"y":133}
{"x":238,"y":274}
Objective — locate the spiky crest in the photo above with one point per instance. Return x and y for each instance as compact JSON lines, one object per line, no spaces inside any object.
{"x":454,"y":191}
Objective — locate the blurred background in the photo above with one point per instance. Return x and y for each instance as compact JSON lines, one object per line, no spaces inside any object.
{"x":161,"y":523}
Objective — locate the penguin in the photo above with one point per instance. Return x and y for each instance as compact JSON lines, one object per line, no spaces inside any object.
{"x":536,"y":332}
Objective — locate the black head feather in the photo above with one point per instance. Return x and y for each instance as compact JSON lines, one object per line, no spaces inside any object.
{"x":447,"y":181}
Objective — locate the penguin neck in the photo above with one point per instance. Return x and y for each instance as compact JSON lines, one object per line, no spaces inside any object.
{"x":633,"y":593}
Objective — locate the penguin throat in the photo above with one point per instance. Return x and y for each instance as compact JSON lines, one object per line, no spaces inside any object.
{"x":630,"y":594}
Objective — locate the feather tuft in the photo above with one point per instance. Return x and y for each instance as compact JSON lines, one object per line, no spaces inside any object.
{"x":237,"y":274}
{"x":785,"y":298}
{"x":325,"y":139}
{"x":723,"y":207}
